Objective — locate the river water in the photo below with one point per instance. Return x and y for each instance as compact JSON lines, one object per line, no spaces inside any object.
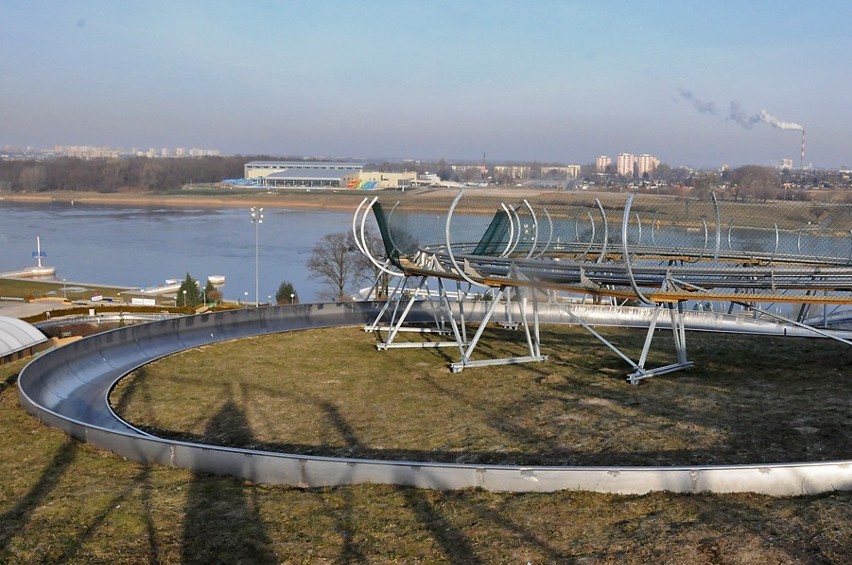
{"x":140,"y":247}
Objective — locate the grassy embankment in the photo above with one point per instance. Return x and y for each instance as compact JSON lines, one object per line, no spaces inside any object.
{"x":286,"y":392}
{"x":35,"y":289}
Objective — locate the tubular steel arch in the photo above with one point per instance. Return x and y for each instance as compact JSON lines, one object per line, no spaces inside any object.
{"x":769,"y":258}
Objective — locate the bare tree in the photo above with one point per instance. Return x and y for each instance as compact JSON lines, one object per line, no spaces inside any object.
{"x":336,"y":262}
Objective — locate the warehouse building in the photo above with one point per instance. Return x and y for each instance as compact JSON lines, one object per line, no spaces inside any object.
{"x":322,"y":175}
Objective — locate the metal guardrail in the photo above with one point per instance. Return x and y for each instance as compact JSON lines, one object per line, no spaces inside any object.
{"x":67,"y":388}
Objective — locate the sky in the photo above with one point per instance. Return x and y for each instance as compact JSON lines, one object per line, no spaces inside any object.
{"x":561,"y":81}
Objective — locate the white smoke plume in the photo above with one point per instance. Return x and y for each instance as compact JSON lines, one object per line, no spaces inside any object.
{"x":737,"y":114}
{"x":768,"y":118}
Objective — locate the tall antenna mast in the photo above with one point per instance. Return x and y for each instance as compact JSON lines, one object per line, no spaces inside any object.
{"x":38,"y":252}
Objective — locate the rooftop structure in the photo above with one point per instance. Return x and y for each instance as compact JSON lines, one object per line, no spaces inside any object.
{"x":259,"y":169}
{"x":17,"y":339}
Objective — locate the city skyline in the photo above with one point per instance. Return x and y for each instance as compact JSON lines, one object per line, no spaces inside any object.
{"x":699,"y":86}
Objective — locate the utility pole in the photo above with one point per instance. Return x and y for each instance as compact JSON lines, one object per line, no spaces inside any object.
{"x":256,"y":219}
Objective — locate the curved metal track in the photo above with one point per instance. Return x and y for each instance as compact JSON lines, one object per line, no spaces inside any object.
{"x":68,"y":388}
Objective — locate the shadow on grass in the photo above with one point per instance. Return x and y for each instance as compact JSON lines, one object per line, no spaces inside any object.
{"x":457,"y":547}
{"x":89,"y":531}
{"x":217,"y":506}
{"x":18,"y":516}
{"x":48,"y":489}
{"x":11,"y":381}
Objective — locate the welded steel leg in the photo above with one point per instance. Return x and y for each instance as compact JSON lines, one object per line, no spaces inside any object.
{"x":679,"y":335}
{"x":456,"y":367}
{"x":508,"y":293}
{"x":536,"y":327}
{"x":646,"y":348}
{"x":679,"y":332}
{"x":459,"y":336}
{"x":440,"y":314}
{"x":522,"y":301}
{"x":461,"y":300}
{"x":393,"y":298}
{"x":436,"y":312}
{"x":395,"y":328}
{"x":466,"y":362}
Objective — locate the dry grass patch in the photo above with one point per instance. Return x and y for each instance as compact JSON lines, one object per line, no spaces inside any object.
{"x":329,"y":392}
{"x":62,"y":501}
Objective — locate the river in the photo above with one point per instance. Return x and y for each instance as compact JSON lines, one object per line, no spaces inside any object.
{"x":140,"y":247}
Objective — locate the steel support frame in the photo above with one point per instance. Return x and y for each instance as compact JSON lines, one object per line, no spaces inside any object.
{"x":533,"y":337}
{"x":679,"y":336}
{"x":640,"y":372}
{"x":397,"y":318}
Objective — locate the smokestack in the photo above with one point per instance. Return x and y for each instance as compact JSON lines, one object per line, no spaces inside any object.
{"x":802,"y":161}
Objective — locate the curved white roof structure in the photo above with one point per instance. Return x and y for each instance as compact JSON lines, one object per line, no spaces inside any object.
{"x":16,"y":335}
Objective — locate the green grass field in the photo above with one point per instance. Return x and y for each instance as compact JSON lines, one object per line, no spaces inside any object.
{"x":31,"y":288}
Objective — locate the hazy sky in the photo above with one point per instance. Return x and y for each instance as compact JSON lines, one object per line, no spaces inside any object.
{"x":549,"y":81}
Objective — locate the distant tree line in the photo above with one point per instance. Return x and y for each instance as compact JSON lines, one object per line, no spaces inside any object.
{"x":116,"y":175}
{"x":749,"y":182}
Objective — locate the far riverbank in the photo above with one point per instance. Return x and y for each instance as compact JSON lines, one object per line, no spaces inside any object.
{"x":291,"y":200}
{"x":294,"y":199}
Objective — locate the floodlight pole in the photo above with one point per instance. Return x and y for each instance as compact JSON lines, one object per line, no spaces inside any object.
{"x":256,"y":219}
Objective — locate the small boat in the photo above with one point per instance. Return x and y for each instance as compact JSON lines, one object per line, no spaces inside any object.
{"x":216,"y":280}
